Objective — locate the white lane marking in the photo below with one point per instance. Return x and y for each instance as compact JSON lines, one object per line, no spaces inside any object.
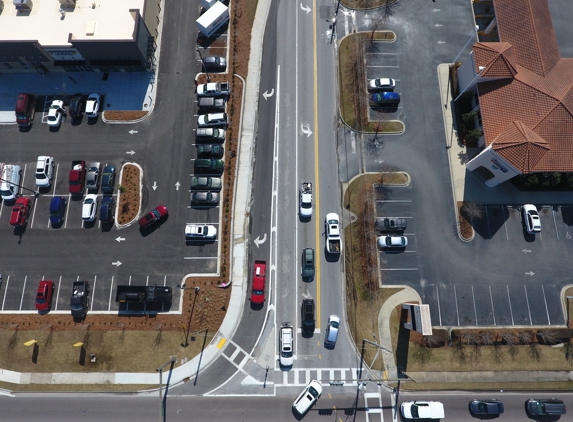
{"x":93,"y":294}
{"x":5,"y":291}
{"x":457,"y":310}
{"x":439,"y":310}
{"x":492,"y":308}
{"x":23,"y":290}
{"x":546,"y":308}
{"x":510,"y":310}
{"x":528,"y":309}
{"x":58,"y":293}
{"x":475,"y":310}
{"x":110,"y":293}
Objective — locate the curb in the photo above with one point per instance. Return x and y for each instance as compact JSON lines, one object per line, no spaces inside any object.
{"x":121,"y":226}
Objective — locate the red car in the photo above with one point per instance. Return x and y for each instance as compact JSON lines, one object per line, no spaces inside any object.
{"x":44,"y":295}
{"x":259,"y":274}
{"x":20,"y":212}
{"x":153,"y":216}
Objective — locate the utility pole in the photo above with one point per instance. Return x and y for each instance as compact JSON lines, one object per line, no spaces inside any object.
{"x":161,"y":401}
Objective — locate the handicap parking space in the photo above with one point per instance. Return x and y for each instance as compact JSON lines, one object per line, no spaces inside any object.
{"x":18,"y":292}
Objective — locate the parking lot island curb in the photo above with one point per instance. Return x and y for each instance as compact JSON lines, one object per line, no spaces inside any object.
{"x":119,"y":194}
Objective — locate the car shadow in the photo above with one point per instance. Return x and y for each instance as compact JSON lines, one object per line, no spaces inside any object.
{"x":25,"y":129}
{"x":303,"y":219}
{"x":393,"y":251}
{"x":93,"y":120}
{"x":44,"y":189}
{"x":307,"y":279}
{"x":89,"y":224}
{"x":306,"y":334}
{"x":55,"y":129}
{"x":257,"y":306}
{"x":149,"y":230}
{"x":76,"y":121}
{"x":331,"y":257}
{"x":19,"y":231}
{"x":106,"y":227}
{"x":57,"y":226}
{"x":484,"y":417}
{"x":200,"y":242}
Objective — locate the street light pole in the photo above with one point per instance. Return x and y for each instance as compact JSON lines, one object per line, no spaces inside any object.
{"x":161,"y":402}
{"x":35,"y":192}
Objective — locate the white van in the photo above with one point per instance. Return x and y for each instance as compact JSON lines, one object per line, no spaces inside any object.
{"x":10,"y":186}
{"x":208,"y":135}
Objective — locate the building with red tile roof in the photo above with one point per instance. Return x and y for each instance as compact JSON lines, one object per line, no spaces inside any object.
{"x":525,"y":94}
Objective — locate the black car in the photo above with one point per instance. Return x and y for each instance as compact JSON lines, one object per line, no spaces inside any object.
{"x":106,"y":210}
{"x":307,"y":310}
{"x":79,"y":300}
{"x":215,"y":63}
{"x":545,"y":407}
{"x":77,"y":106}
{"x":108,"y":179}
{"x":490,"y":407}
{"x":208,"y":166}
{"x":208,"y":151}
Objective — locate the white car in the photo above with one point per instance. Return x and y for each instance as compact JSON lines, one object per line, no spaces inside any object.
{"x":92,"y":105}
{"x":44,"y":171}
{"x":308,"y":397}
{"x":55,"y":113}
{"x":531,"y":220}
{"x":200,"y":232}
{"x":89,"y":207}
{"x":286,"y":343}
{"x":213,"y":119}
{"x":381,"y":84}
{"x":332,"y":331}
{"x":305,"y":200}
{"x":392,"y":241}
{"x":422,"y":410}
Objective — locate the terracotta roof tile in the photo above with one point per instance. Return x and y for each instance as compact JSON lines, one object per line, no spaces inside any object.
{"x":527,"y":113}
{"x":527,"y":25}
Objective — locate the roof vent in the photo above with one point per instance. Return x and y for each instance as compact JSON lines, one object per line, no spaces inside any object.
{"x":90,"y":28}
{"x":68,"y":3}
{"x":23,"y":5}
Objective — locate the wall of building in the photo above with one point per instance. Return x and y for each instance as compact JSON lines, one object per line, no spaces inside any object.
{"x":499,"y":168}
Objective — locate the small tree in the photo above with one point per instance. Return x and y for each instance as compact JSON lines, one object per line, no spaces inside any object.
{"x":473,"y":136}
{"x":473,"y":209}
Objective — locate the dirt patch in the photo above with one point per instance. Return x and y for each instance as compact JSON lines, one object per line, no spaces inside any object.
{"x":124,"y":116}
{"x":129,"y":194}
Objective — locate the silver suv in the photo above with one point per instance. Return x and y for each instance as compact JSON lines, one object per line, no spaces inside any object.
{"x":286,"y":344}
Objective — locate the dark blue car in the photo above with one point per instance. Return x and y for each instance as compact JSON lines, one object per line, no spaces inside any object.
{"x":108,"y":179}
{"x":57,"y":209}
{"x":389,"y":98}
{"x":106,"y":210}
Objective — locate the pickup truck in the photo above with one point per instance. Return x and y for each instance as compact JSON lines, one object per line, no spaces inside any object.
{"x":391,"y":224}
{"x":214,"y":89}
{"x":143,"y":294}
{"x":211,"y":104}
{"x":79,"y":300}
{"x":306,"y":199}
{"x":333,"y":242}
{"x":77,"y":177}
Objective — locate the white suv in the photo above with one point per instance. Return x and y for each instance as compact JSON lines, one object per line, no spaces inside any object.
{"x":214,"y":119}
{"x":531,"y":220}
{"x":308,"y":397}
{"x":286,"y":340}
{"x":44,"y":171}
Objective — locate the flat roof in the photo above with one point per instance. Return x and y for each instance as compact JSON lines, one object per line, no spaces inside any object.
{"x":105,"y":19}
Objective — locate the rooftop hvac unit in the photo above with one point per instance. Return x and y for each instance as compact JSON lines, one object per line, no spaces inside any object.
{"x":23,"y":4}
{"x":68,"y":3}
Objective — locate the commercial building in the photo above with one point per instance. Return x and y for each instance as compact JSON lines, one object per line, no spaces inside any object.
{"x":78,"y":35}
{"x":523,"y":93}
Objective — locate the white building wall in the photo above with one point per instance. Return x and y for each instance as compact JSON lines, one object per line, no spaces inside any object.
{"x":501,"y":169}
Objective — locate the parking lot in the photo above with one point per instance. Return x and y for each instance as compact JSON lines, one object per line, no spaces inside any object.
{"x":504,"y":276}
{"x":383,"y":61}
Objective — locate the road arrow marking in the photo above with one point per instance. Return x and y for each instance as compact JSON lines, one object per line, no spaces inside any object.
{"x":526,"y":251}
{"x":438,"y":25}
{"x":435,"y":10}
{"x":119,"y":239}
{"x":258,"y":242}
{"x":132,"y":131}
{"x":177,"y":185}
{"x":116,"y":263}
{"x":305,"y":129}
{"x":130,"y":152}
{"x":441,"y":42}
{"x":530,"y":273}
{"x":267,"y":95}
{"x":154,"y":185}
{"x":306,"y":9}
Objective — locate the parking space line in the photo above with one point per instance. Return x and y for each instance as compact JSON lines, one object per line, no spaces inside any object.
{"x":110,"y":290}
{"x":58,"y":293}
{"x":555,"y":223}
{"x":546,"y":308}
{"x":528,"y":310}
{"x":492,"y":308}
{"x":164,"y":280}
{"x":199,"y":257}
{"x":5,"y":291}
{"x":505,"y":222}
{"x":23,"y":290}
{"x":394,"y":200}
{"x":457,"y":310}
{"x":395,"y":67}
{"x":475,"y":310}
{"x":399,"y":269}
{"x":510,"y":310}
{"x":487,"y":218}
{"x":67,"y":209}
{"x":34,"y":212}
{"x":93,"y":295}
{"x":147,"y":281}
{"x":439,"y":310}
{"x":129,"y":280}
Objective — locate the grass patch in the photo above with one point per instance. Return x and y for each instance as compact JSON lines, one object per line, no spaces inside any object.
{"x":364,"y":4}
{"x":81,"y":387}
{"x":116,"y":351}
{"x":251,"y":12}
{"x":353,"y":93}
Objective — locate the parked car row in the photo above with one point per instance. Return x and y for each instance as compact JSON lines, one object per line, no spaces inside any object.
{"x":383,"y":94}
{"x":78,"y":105}
{"x":78,"y":301}
{"x":483,"y":409}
